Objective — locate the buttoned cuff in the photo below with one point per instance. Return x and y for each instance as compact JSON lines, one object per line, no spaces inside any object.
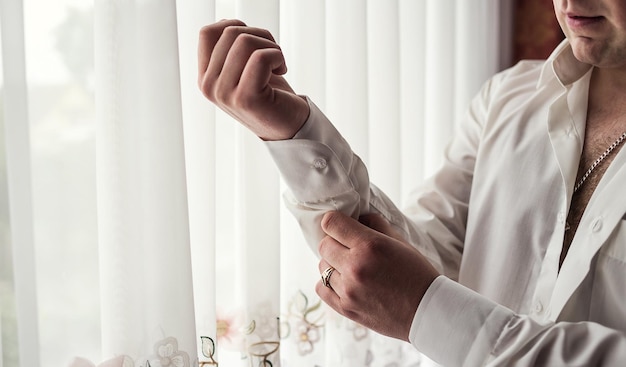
{"x":456,"y":326}
{"x":316,"y":163}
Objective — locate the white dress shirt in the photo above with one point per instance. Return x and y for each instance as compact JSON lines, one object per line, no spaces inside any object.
{"x":492,"y":221}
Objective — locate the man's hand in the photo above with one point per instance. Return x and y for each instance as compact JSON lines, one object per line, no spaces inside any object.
{"x":240,"y":70}
{"x":379,"y":280}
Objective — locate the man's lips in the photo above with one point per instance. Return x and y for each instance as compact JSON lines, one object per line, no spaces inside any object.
{"x":578,"y":21}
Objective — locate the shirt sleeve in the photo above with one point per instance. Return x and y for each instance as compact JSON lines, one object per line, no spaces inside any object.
{"x":479,"y":332}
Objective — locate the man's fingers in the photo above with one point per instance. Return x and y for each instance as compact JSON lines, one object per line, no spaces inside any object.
{"x":334,"y":279}
{"x":376,"y":222}
{"x":217,"y":39}
{"x":333,"y":299}
{"x":379,"y":223}
{"x":346,"y":230}
{"x":328,"y":296}
{"x":208,"y":38}
{"x":250,"y":64}
{"x":323,"y":265}
{"x":229,"y":39}
{"x":263,"y":64}
{"x":335,"y":302}
{"x":332,"y":252}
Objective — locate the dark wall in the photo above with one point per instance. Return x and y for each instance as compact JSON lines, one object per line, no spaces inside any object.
{"x":536,"y":31}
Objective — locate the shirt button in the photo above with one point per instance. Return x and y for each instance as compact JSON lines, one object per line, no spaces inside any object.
{"x":319,"y":163}
{"x":596,"y":225}
{"x":561,"y":217}
{"x":538,"y":307}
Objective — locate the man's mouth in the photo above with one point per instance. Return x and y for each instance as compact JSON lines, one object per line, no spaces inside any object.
{"x":579,"y":21}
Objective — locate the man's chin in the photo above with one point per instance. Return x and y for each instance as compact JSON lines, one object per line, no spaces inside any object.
{"x":587,"y":50}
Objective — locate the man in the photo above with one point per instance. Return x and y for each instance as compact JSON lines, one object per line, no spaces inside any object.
{"x":524,"y":221}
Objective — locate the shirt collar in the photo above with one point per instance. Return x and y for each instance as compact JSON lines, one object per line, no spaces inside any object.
{"x":563,"y":65}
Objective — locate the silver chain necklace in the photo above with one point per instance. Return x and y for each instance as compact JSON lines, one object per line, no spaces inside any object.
{"x":600,"y":159}
{"x":593,"y":166}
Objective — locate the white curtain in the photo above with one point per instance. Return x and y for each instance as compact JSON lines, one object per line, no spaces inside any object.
{"x":140,"y":225}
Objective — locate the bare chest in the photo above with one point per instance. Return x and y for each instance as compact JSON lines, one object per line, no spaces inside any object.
{"x":602,"y":142}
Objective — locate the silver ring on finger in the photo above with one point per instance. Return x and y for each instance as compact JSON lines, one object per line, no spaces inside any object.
{"x":326,"y":274}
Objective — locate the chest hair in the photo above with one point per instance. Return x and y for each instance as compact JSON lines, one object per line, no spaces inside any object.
{"x":602,"y":131}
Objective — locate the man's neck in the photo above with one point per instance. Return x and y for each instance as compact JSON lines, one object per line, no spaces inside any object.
{"x":607,"y":92}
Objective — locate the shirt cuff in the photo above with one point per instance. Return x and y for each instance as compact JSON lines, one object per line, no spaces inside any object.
{"x":319,"y":128}
{"x":455,"y":326}
{"x":316,"y":163}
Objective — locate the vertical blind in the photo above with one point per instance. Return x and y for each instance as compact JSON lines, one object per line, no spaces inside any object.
{"x":141,"y":223}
